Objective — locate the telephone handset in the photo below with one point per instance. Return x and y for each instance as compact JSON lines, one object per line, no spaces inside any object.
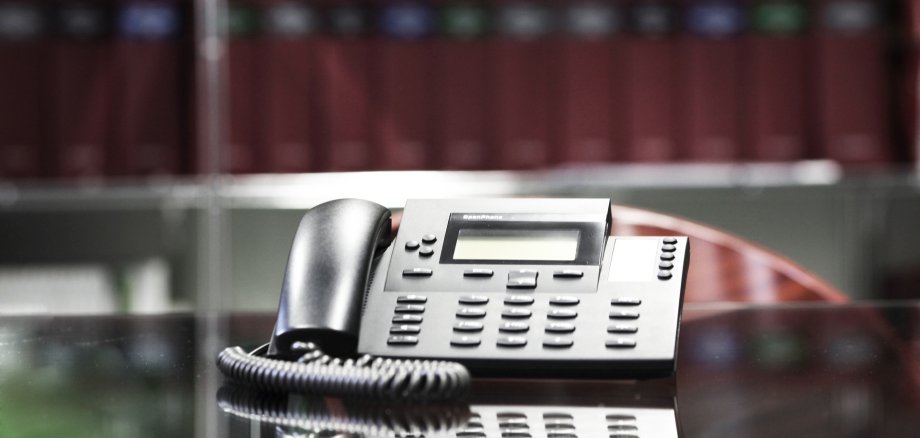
{"x":503,"y":286}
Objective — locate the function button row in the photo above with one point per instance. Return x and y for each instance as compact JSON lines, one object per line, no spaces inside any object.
{"x":516,"y":313}
{"x":478,"y":272}
{"x":513,"y":422}
{"x":666,"y":265}
{"x":620,"y":343}
{"x":404,"y":329}
{"x":626,"y":301}
{"x":560,"y":327}
{"x":411,"y":319}
{"x":468,"y":326}
{"x":667,"y":247}
{"x":465,"y":341}
{"x":664,"y":275}
{"x":471,"y":433}
{"x":511,"y":341}
{"x":564,"y":301}
{"x":514,"y":327}
{"x":402,"y":340}
{"x":622,"y":314}
{"x":558,"y":342}
{"x":669,"y":240}
{"x":417,"y":272}
{"x":412,"y":299}
{"x":522,"y":279}
{"x":666,"y":256}
{"x":470,"y":312}
{"x":410,"y":308}
{"x":622,"y":328}
{"x":561,"y":314}
{"x":473,"y":299}
{"x":519,"y":299}
{"x":568,"y":273}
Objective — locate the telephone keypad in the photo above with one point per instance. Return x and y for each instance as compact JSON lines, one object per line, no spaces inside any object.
{"x":564,"y":301}
{"x":514,"y":327}
{"x":620,"y":343}
{"x":468,"y":326}
{"x":469,"y":312}
{"x":558,"y":342}
{"x":407,"y":319}
{"x":404,"y":329}
{"x":511,"y":341}
{"x":402,"y":340}
{"x":473,"y":299}
{"x":518,"y":299}
{"x":560,"y":327}
{"x":626,"y":301}
{"x":561,"y":314}
{"x":465,"y":341}
{"x":516,"y":313}
{"x":622,"y":328}
{"x":417,"y":272}
{"x":412,"y":299}
{"x":622,"y":314}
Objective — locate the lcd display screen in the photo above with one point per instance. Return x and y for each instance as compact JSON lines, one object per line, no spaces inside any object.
{"x":514,"y":245}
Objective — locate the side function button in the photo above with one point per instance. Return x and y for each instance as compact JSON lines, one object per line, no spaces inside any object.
{"x":561,"y":314}
{"x":426,"y":251}
{"x":465,"y":341}
{"x":468,"y":326}
{"x":668,"y":248}
{"x":621,"y":314}
{"x":511,"y":341}
{"x":408,"y":299}
{"x":417,"y":272}
{"x":412,"y":245}
{"x":620,"y":343}
{"x":407,"y":319}
{"x":469,"y":312}
{"x":626,"y":301}
{"x":622,"y":328}
{"x":402,"y":340}
{"x":669,"y":240}
{"x":560,"y":327}
{"x":514,"y":327}
{"x":516,"y":313}
{"x":429,"y":238}
{"x":522,"y":279}
{"x":564,"y":301}
{"x":409,"y":308}
{"x":478,"y":272}
{"x":473,"y":299}
{"x":664,"y":275}
{"x":404,"y":329}
{"x":519,"y":299}
{"x":568,"y":273}
{"x":665,"y":265}
{"x":558,"y":342}
{"x":666,"y":256}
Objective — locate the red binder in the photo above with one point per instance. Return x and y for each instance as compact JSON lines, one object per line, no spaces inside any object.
{"x":776,"y":74}
{"x":82,"y":74}
{"x":461,"y":87}
{"x":590,"y":83}
{"x":343,"y":65}
{"x":285,"y":58}
{"x":850,"y":82}
{"x":148,"y":90}
{"x":522,"y":84}
{"x":711,"y":87}
{"x":404,"y":70}
{"x":239,"y":155}
{"x":651,"y":79}
{"x":23,"y":89}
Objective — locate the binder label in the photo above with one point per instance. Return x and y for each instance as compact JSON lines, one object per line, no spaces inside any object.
{"x":150,"y":21}
{"x":715,"y":19}
{"x":524,"y":21}
{"x":407,"y":21}
{"x":652,"y":19}
{"x":592,"y":19}
{"x":463,"y":20}
{"x":20,"y":22}
{"x":290,"y":20}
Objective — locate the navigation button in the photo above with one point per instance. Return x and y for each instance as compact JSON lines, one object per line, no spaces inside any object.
{"x":402,"y":340}
{"x":664,"y":275}
{"x":410,"y":308}
{"x":407,"y":299}
{"x":560,"y":327}
{"x":561,"y":314}
{"x":568,"y":273}
{"x":465,"y":341}
{"x":511,"y":341}
{"x":429,"y":238}
{"x":558,"y":342}
{"x":407,"y":318}
{"x":412,"y":245}
{"x":522,"y":279}
{"x":514,"y":327}
{"x":564,"y":301}
{"x":478,"y":272}
{"x":622,"y":328}
{"x":620,"y":343}
{"x":516,"y":313}
{"x":417,"y":272}
{"x":469,"y":312}
{"x":404,"y":329}
{"x":626,"y":301}
{"x":473,"y":299}
{"x":519,"y":299}
{"x":426,"y":251}
{"x":468,"y":326}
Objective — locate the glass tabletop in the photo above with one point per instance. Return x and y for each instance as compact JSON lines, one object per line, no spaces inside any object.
{"x":787,"y":370}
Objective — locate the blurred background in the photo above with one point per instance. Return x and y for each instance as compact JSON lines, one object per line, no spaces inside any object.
{"x":155,"y":156}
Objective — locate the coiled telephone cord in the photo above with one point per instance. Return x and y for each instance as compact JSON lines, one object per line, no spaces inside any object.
{"x":314,"y":372}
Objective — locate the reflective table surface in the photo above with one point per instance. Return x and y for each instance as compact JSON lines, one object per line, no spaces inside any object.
{"x":774,"y":371}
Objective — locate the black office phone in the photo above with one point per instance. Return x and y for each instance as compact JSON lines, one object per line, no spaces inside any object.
{"x":503,"y":287}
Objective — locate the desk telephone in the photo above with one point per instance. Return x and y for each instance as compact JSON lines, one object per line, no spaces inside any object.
{"x":504,"y":287}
